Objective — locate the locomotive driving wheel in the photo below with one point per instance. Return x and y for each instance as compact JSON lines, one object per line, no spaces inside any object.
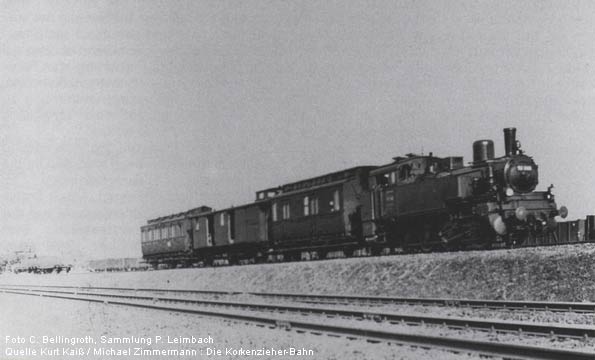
{"x":427,"y":238}
{"x":410,"y":241}
{"x":479,"y":235}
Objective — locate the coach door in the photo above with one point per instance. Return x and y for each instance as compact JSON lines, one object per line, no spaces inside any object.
{"x":210,"y":228}
{"x":263,"y":223}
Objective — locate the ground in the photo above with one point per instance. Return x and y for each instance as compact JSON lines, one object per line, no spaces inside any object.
{"x":562,"y":273}
{"x":558,"y":273}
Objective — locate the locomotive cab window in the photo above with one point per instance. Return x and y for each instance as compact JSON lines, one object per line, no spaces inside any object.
{"x":404,"y":172}
{"x":382,"y":179}
{"x":433,"y":168}
{"x":222,"y":219}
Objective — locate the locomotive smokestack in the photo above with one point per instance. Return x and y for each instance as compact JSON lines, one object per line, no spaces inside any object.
{"x":510,"y":144}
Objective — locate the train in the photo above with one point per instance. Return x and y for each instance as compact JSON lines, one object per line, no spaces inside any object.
{"x":416,"y":203}
{"x":41,"y":265}
{"x":117,"y":265}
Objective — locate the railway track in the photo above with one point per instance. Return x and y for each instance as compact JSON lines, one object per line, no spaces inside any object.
{"x":578,"y":307}
{"x":323,"y":323}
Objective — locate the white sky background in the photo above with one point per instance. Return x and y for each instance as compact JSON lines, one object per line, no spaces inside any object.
{"x":114,"y":112}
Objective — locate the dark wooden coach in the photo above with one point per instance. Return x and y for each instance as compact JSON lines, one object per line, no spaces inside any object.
{"x":318,"y":215}
{"x":168,"y":239}
{"x":235,"y":234}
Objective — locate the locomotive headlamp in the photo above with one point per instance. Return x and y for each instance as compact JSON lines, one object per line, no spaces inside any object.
{"x":563,"y":212}
{"x":521,"y":213}
{"x":509,"y":192}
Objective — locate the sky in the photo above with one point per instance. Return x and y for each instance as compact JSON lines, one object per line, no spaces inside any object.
{"x":115,"y":112}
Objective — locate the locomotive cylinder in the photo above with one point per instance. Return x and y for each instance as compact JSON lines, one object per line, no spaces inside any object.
{"x":510,"y":143}
{"x":483,"y":150}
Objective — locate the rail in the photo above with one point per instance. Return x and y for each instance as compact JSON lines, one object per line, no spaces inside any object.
{"x":449,"y":343}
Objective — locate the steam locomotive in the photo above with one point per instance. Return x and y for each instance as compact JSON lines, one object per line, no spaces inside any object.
{"x":416,"y":203}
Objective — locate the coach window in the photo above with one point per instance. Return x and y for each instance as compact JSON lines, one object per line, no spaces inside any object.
{"x":286,"y":213}
{"x":274,"y":211}
{"x":393,"y":177}
{"x":306,"y":206}
{"x":335,"y":203}
{"x":314,"y":206}
{"x":197,"y":226}
{"x":222,"y":219}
